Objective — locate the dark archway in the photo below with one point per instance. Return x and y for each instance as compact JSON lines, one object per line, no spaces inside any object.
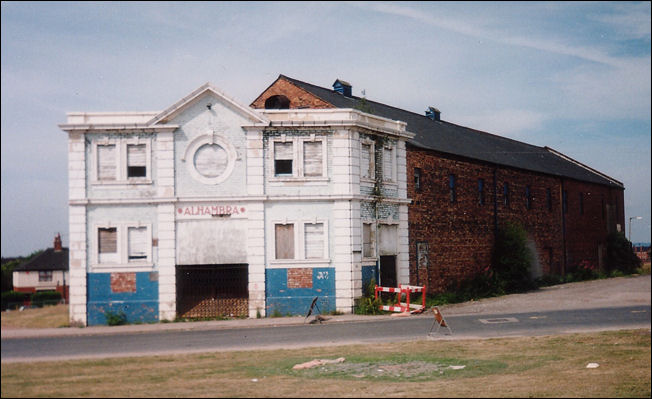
{"x":277,"y":102}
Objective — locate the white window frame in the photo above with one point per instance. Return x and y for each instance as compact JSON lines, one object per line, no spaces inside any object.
{"x":121,"y":161}
{"x":299,"y":243}
{"x":298,"y":158}
{"x":122,"y":243}
{"x":372,"y":160}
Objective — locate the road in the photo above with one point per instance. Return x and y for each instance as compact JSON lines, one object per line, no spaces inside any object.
{"x":357,"y":330}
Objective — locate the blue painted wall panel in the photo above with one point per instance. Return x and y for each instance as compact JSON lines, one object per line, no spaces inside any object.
{"x":368,"y":273}
{"x":139,"y":307}
{"x":296,"y":301}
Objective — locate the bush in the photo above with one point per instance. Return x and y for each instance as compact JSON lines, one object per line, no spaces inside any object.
{"x":115,"y":318}
{"x":511,"y":260}
{"x":368,"y":303}
{"x":620,"y":255}
{"x":14,"y":299}
{"x":42,"y":298}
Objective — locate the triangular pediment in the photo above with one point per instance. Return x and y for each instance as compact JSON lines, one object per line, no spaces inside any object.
{"x":207,"y":89}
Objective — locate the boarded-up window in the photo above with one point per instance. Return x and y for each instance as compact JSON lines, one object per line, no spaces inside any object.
{"x":107,"y":244}
{"x":137,"y":243}
{"x":314,"y":243}
{"x":368,"y":240}
{"x":388,"y":239}
{"x":283,"y":159}
{"x":136,"y":160}
{"x":284,"y":241}
{"x":312,"y":158}
{"x":366,"y":170}
{"x":211,"y":160}
{"x":388,"y":164}
{"x":106,"y":162}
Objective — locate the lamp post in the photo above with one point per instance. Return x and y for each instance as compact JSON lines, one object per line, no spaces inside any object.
{"x":630,"y":225}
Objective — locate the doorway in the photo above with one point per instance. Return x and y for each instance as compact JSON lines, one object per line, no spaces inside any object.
{"x":208,"y":291}
{"x":388,"y":271}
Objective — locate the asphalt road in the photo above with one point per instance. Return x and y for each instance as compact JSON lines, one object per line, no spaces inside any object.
{"x":564,"y":309}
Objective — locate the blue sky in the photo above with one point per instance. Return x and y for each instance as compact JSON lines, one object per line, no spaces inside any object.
{"x":571,"y":76}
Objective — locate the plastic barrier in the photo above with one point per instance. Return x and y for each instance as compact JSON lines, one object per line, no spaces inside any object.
{"x":400,"y":291}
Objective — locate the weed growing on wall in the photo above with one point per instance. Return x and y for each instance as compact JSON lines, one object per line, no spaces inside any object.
{"x":512,"y":259}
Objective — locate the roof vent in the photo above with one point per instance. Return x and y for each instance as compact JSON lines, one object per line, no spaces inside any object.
{"x":342,"y":87}
{"x":433,"y":113}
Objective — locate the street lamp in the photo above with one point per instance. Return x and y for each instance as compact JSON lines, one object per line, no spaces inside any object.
{"x":630,"y":225}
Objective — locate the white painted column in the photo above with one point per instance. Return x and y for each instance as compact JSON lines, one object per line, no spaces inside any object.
{"x":164,"y":153}
{"x":403,"y":258}
{"x":167,"y":292}
{"x":343,"y":256}
{"x":78,"y":252}
{"x":256,"y":258}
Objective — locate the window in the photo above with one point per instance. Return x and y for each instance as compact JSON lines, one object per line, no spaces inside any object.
{"x":417,"y":179}
{"x":506,"y":195}
{"x":300,"y":241}
{"x":388,"y":164}
{"x":299,"y":157}
{"x":528,"y":198}
{"x":283,"y":156}
{"x":314,"y":240}
{"x":312,"y":158}
{"x":123,"y":244}
{"x":121,"y":161}
{"x":366,"y":161}
{"x":284,"y":236}
{"x":136,"y":160}
{"x":480,"y":191}
{"x":107,"y":245}
{"x":137,"y":243}
{"x":564,"y":201}
{"x":368,"y":241}
{"x":549,"y":199}
{"x":451,"y":188}
{"x":106,"y":162}
{"x":45,"y":275}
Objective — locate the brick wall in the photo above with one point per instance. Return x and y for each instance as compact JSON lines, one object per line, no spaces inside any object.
{"x":460,"y":234}
{"x":300,"y":278}
{"x":123,"y":282}
{"x":298,"y":97}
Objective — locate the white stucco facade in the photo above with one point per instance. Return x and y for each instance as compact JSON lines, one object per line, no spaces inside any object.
{"x":209,"y":184}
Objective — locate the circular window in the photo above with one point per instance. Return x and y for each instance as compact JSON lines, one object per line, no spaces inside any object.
{"x":210,"y":158}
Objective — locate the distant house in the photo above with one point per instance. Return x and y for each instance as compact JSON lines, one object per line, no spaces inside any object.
{"x":47,"y":271}
{"x":642,"y":251}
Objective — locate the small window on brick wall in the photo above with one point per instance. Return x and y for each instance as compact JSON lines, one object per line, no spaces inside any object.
{"x":528,"y":198}
{"x":452,"y":188}
{"x":506,"y":195}
{"x":480,"y":191}
{"x":366,"y":161}
{"x":417,"y":179}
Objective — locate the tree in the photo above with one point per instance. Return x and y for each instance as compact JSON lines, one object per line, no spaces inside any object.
{"x":512,"y":259}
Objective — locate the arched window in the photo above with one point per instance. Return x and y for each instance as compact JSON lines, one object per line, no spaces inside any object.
{"x":277,"y":102}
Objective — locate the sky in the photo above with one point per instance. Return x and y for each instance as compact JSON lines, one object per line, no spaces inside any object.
{"x":571,"y":76}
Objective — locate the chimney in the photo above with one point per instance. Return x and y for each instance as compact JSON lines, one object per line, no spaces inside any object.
{"x":433,"y":113}
{"x":342,"y":87}
{"x":57,"y":243}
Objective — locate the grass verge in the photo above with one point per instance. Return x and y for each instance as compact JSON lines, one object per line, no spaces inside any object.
{"x":46,"y":317}
{"x":552,"y":366}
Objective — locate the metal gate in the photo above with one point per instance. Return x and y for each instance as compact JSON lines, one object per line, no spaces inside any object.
{"x":209,"y":291}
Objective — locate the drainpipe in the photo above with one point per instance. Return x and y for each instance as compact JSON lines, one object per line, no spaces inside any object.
{"x":495,"y":183}
{"x":563,"y":229}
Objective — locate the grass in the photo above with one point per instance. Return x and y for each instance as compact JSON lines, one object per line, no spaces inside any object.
{"x":46,"y":317}
{"x":552,"y":366}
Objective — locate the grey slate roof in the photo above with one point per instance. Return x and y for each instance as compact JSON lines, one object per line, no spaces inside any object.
{"x":448,"y":138}
{"x":46,"y":260}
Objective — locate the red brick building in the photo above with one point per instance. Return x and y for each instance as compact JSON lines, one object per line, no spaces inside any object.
{"x":465,"y":183}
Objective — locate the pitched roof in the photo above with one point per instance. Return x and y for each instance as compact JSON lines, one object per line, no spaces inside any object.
{"x":46,"y":260}
{"x":449,"y":138}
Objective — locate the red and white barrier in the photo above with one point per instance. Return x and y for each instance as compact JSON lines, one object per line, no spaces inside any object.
{"x":400,"y":291}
